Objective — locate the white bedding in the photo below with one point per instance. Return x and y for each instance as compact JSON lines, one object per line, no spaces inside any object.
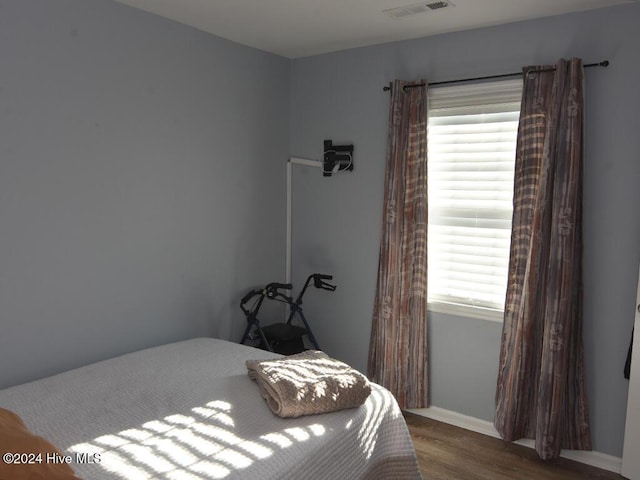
{"x":189,"y":411}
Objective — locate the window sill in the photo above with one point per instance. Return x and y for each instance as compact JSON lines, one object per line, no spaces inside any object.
{"x":466,"y":311}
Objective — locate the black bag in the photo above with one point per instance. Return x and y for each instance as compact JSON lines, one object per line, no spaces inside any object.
{"x":284,"y":338}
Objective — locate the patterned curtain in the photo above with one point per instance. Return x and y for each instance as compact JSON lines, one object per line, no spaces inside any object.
{"x":398,"y":346}
{"x":541,"y":386}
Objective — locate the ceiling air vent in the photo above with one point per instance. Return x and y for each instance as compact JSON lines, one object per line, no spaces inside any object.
{"x":422,"y":7}
{"x":438,"y":5}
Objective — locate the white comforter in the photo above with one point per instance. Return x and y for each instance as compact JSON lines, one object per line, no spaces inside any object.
{"x":189,"y":411}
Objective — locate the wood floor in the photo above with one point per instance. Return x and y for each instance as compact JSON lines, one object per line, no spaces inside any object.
{"x":446,"y":452}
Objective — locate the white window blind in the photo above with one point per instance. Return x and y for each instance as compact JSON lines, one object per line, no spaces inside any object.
{"x":472,"y":142}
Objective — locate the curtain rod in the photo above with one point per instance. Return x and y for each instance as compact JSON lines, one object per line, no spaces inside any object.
{"x":604,"y":63}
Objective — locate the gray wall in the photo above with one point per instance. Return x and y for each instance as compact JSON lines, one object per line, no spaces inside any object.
{"x":136,"y":158}
{"x":337,"y":221}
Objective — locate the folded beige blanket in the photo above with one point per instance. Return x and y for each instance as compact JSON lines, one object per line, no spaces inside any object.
{"x":307,"y":383}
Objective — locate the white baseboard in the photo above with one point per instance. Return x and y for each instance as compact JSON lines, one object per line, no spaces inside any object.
{"x":595,"y":459}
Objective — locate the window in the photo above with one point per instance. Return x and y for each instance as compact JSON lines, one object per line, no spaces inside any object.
{"x":472,"y":144}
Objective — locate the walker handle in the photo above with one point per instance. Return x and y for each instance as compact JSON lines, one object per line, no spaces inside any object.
{"x":272,"y":292}
{"x":319,"y":281}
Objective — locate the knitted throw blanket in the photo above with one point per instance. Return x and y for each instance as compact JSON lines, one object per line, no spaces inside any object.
{"x":308,"y":383}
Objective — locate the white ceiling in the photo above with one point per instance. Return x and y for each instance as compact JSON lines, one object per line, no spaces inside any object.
{"x":299,"y":28}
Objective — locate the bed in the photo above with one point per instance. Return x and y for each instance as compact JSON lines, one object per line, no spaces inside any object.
{"x":188,"y":410}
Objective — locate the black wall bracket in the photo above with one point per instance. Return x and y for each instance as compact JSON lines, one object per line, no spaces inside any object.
{"x":337,"y":158}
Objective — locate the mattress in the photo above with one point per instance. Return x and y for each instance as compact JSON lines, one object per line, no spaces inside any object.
{"x":188,"y":411}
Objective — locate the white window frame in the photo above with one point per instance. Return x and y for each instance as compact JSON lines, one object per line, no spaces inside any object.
{"x":493,"y":94}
